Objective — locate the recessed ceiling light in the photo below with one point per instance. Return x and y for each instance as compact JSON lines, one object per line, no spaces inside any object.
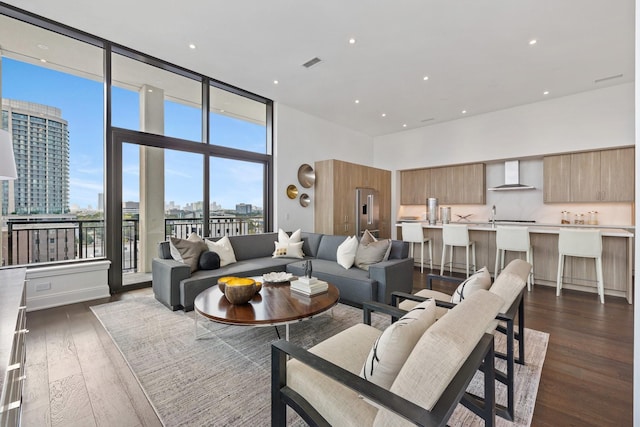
{"x":425,"y":78}
{"x":149,"y":90}
{"x":43,"y":60}
{"x":384,"y":114}
{"x":352,"y":41}
{"x":404,"y":125}
{"x":532,"y":42}
{"x":275,"y":82}
{"x":43,"y":46}
{"x":192,"y":46}
{"x":464,"y":111}
{"x":546,"y":92}
{"x":357,"y":101}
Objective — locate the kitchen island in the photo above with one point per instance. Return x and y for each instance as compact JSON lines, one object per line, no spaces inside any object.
{"x":579,"y":273}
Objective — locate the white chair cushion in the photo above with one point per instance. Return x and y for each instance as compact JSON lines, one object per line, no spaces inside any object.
{"x":428,"y":293}
{"x":338,"y":404}
{"x":479,"y":280}
{"x":391,"y":350}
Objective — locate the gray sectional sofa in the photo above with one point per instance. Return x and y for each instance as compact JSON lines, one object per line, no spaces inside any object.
{"x":177,"y":288}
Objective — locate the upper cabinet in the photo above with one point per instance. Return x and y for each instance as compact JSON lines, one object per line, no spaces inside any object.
{"x":594,"y":176}
{"x":414,"y":186}
{"x":459,"y":184}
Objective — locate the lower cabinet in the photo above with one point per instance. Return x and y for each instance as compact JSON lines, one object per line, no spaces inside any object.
{"x":12,"y":350}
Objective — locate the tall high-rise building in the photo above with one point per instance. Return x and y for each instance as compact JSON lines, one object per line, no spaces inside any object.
{"x":41,"y":149}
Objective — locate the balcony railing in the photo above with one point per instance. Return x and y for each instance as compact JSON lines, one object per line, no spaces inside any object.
{"x":30,"y":242}
{"x":40,"y":241}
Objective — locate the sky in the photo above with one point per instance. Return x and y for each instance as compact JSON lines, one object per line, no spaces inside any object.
{"x":81,"y":102}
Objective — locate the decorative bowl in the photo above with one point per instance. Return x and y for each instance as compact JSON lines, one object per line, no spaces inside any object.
{"x":277,"y":277}
{"x":223,"y":281}
{"x":239,"y":290}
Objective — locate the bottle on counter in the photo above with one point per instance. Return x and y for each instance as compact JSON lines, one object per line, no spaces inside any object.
{"x":579,"y":219}
{"x":566,"y":217}
{"x":593,"y":218}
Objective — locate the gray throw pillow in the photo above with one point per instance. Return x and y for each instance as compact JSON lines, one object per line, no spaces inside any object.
{"x":371,"y":253}
{"x":189,"y":251}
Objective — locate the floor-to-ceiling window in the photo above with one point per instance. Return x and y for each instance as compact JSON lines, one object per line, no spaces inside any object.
{"x":192,"y":148}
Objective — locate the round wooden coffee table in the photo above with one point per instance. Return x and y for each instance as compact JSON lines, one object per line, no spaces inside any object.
{"x":274,"y":305}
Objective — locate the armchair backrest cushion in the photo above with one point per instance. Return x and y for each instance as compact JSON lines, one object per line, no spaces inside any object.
{"x":510,"y":282}
{"x":392,"y":348}
{"x":440,"y":353}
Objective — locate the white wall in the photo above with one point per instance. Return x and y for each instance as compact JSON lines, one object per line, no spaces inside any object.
{"x":636,"y":310}
{"x":589,"y":120}
{"x":302,"y":138}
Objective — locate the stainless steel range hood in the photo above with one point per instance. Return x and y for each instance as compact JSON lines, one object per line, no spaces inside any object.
{"x":512,"y":178}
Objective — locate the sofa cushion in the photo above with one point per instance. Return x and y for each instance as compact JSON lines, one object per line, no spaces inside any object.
{"x":250,"y":246}
{"x":310,"y":243}
{"x":428,"y":293}
{"x":328,"y":247}
{"x":209,"y":261}
{"x":371,"y":253}
{"x":511,"y":281}
{"x":392,"y":348}
{"x":224,"y":250}
{"x":346,"y":253}
{"x":187,"y":251}
{"x":479,"y":280}
{"x":399,"y":249}
{"x":354,"y":284}
{"x":440,"y":353}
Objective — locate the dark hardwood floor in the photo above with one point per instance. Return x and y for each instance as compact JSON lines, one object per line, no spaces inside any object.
{"x":76,"y":376}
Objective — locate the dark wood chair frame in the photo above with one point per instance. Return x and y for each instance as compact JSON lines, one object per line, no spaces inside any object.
{"x":516,"y":310}
{"x":481,"y":358}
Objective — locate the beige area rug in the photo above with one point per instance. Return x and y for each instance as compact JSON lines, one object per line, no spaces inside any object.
{"x":224,"y":379}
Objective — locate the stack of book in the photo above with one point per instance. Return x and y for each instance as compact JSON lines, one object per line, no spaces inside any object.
{"x":309,"y":286}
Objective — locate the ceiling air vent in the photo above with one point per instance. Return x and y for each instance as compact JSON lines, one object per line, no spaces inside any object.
{"x":310,"y":63}
{"x":604,"y":79}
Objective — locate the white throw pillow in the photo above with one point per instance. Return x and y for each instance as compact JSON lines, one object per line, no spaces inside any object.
{"x":288,"y":250}
{"x":346,"y":253}
{"x":479,"y":280}
{"x":295,"y":237}
{"x":392,"y":348}
{"x":224,"y":250}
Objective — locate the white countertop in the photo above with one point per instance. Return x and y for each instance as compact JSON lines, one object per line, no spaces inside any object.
{"x":609,"y":231}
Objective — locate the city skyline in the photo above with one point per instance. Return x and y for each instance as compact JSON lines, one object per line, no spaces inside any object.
{"x":80,"y":100}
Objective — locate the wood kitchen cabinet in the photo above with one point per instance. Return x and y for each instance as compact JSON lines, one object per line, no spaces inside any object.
{"x":415,"y":186}
{"x":335,"y":204}
{"x":458,"y":184}
{"x":593,"y":176}
{"x":557,"y":178}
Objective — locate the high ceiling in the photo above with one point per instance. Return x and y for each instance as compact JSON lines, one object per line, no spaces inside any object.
{"x":477,"y":55}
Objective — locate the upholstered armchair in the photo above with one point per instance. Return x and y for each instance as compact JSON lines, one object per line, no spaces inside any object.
{"x":324,"y":387}
{"x":509,"y":285}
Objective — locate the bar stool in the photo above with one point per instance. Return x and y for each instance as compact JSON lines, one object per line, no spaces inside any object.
{"x":580,"y":243}
{"x":456,"y":235}
{"x":515,"y":239}
{"x":413,"y":232}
